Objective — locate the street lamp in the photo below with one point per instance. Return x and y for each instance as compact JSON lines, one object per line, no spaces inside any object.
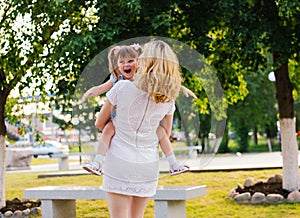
{"x":271,"y":76}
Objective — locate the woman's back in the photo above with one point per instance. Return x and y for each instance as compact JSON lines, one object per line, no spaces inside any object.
{"x":131,"y":167}
{"x":133,"y":153}
{"x":137,"y":116}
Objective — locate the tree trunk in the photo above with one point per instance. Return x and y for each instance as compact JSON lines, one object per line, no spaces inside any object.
{"x":3,"y":96}
{"x":224,"y":144}
{"x":243,"y":139}
{"x":2,"y":171}
{"x":285,"y":101}
{"x":255,"y":140}
{"x":289,"y":154}
{"x":269,"y":138}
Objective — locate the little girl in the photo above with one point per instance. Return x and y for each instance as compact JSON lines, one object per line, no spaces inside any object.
{"x":125,"y":58}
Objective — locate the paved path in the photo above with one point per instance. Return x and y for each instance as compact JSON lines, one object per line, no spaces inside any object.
{"x":246,"y":161}
{"x":224,"y":162}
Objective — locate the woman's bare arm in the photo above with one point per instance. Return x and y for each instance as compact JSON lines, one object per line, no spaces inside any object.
{"x":166,"y":123}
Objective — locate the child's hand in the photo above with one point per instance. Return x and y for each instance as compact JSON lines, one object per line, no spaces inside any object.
{"x":84,"y":97}
{"x":87,"y":94}
{"x":187,"y":92}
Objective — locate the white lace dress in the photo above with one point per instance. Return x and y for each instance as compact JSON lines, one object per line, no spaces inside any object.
{"x":131,"y":163}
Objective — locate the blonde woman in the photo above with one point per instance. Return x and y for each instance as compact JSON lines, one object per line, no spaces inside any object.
{"x":131,"y":170}
{"x":123,"y":63}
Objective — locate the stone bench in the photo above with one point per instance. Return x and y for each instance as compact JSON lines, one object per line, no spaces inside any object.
{"x":60,"y":201}
{"x":63,"y":159}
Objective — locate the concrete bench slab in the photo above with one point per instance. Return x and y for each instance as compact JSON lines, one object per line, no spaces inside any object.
{"x":60,"y":201}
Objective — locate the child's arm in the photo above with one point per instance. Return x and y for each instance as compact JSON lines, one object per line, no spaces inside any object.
{"x":187,"y":92}
{"x":97,"y":90}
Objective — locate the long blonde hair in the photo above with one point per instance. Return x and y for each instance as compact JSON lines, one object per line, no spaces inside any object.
{"x":159,"y":72}
{"x":120,"y":51}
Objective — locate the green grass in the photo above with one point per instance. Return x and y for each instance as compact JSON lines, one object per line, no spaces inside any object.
{"x":214,"y":204}
{"x":261,"y":146}
{"x":85,"y":147}
{"x":47,"y":160}
{"x":40,"y":161}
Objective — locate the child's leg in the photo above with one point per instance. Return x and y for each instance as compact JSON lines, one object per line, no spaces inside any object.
{"x":164,"y":141}
{"x":166,"y":147}
{"x":95,"y":166}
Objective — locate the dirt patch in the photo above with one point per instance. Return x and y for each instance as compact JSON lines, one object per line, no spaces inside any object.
{"x":266,"y":188}
{"x":18,"y":204}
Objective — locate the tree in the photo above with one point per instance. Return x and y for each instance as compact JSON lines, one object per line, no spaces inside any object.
{"x":46,"y":45}
{"x":278,"y":32}
{"x":235,"y":35}
{"x":32,"y":34}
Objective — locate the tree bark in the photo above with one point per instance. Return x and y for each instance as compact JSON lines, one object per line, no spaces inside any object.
{"x":3,"y":96}
{"x":285,"y":101}
{"x":284,"y":92}
{"x":2,"y":171}
{"x":269,"y":138}
{"x":224,"y":144}
{"x":255,"y":140}
{"x":290,"y":166}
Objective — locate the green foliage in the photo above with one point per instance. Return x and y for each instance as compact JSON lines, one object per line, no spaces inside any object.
{"x":294,"y":69}
{"x":297,"y":115}
{"x":261,"y":146}
{"x":64,"y":36}
{"x":33,"y":35}
{"x":278,"y":30}
{"x":257,"y":110}
{"x":245,"y":34}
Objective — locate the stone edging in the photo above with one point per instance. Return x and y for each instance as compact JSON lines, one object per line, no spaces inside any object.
{"x":248,"y":194}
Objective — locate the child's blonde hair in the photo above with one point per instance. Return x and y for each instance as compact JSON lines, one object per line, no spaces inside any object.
{"x":159,"y":72}
{"x":131,"y":51}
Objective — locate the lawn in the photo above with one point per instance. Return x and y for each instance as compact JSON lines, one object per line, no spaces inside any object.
{"x":214,"y":204}
{"x":47,"y":160}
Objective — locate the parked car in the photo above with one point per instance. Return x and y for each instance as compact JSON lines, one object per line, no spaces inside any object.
{"x":50,"y":148}
{"x":23,"y":142}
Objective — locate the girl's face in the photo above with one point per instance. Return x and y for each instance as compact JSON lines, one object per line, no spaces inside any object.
{"x":127,"y":67}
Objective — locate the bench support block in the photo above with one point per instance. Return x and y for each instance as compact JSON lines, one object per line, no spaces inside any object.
{"x":63,"y":163}
{"x":58,"y":208}
{"x":170,"y":209}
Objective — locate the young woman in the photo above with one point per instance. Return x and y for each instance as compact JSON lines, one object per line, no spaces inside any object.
{"x":122,"y":66}
{"x":131,"y":169}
